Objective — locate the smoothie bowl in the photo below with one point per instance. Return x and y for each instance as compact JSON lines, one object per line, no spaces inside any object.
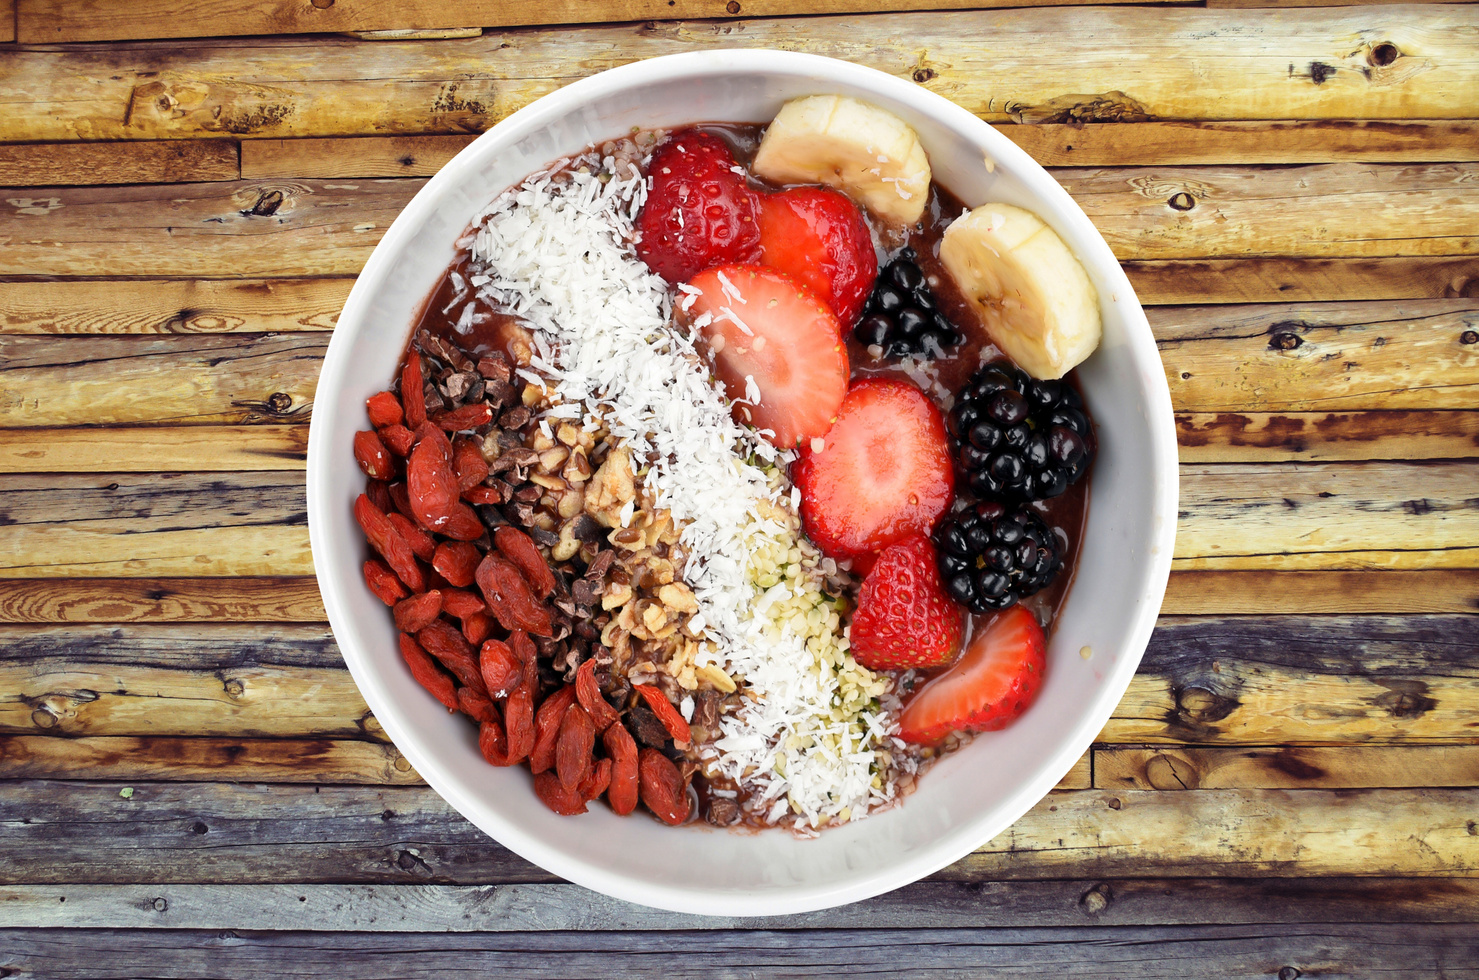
{"x":742,"y":483}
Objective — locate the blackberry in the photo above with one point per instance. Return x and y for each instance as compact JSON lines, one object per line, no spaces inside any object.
{"x":900,"y":315}
{"x":1019,"y":439}
{"x":991,"y":556}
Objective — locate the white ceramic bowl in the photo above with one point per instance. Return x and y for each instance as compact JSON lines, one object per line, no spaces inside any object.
{"x":971,"y":796}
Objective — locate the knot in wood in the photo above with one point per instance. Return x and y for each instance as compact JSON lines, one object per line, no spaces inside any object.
{"x":732,"y":7}
{"x":234,"y":688}
{"x":1469,"y":337}
{"x":279,"y":401}
{"x":43,"y":718}
{"x":1285,"y":341}
{"x":1200,"y":704}
{"x":1114,"y":803}
{"x":323,"y":4}
{"x":922,"y":75}
{"x":160,"y":905}
{"x":1182,"y":201}
{"x":1290,"y":973}
{"x":1096,"y":899}
{"x":1168,"y":772}
{"x":1383,"y":54}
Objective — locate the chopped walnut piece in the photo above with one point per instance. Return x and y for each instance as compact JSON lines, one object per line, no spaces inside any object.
{"x":611,"y":487}
{"x":678,"y":597}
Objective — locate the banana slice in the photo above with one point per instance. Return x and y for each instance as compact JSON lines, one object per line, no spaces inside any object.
{"x":866,"y":153}
{"x":1033,"y":296}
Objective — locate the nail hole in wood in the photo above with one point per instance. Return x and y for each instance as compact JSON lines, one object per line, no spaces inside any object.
{"x":1182,"y":201}
{"x":732,"y":6}
{"x":1384,"y":54}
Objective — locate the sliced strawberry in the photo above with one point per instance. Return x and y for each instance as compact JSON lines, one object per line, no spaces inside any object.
{"x":758,"y":325}
{"x":904,"y":618}
{"x":883,"y":471}
{"x":818,"y":237}
{"x":699,"y":213}
{"x":996,"y":680}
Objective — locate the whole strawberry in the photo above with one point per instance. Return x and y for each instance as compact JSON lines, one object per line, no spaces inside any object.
{"x":904,"y":618}
{"x":699,"y":213}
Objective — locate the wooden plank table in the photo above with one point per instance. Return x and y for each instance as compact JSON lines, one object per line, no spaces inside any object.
{"x":192,"y":783}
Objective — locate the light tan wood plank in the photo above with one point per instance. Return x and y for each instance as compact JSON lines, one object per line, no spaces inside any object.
{"x":7,"y":20}
{"x":1054,"y":64}
{"x":202,"y":449}
{"x":196,"y":758}
{"x":1236,"y":437}
{"x":1286,"y":767}
{"x":47,"y":21}
{"x":172,"y":306}
{"x":1276,"y":141}
{"x":365,"y":156}
{"x":1260,"y":593}
{"x":161,"y":162}
{"x":1253,"y":4}
{"x":1305,"y":357}
{"x":1269,"y":280}
{"x":177,"y":600}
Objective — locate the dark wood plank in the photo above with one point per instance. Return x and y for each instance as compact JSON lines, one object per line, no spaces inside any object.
{"x":1286,"y":767}
{"x":279,"y":834}
{"x":1239,"y":437}
{"x":1309,"y":593}
{"x":923,"y":905}
{"x":1277,"y":279}
{"x":153,"y":306}
{"x":160,"y":162}
{"x":175,"y":600}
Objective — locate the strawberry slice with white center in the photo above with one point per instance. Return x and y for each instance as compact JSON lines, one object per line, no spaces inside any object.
{"x":996,"y":680}
{"x":777,"y":348}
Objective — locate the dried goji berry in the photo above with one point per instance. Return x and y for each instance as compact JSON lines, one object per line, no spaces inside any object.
{"x":597,"y":781}
{"x":416,"y":613}
{"x":477,"y":707}
{"x":622,"y":748}
{"x":518,"y":718}
{"x":666,"y":713}
{"x":384,"y":538}
{"x":422,"y":544}
{"x":463,"y":523}
{"x":445,"y":642}
{"x":509,"y":597}
{"x":430,"y":480}
{"x":573,"y":747}
{"x":476,"y":627}
{"x":502,"y":671}
{"x":372,"y":456}
{"x":589,"y":693}
{"x":384,"y":409}
{"x":398,"y":439}
{"x":457,"y":562}
{"x":528,"y":654}
{"x":547,"y":729}
{"x":662,"y":788}
{"x":565,"y":802}
{"x":520,"y":549}
{"x":482,"y":495}
{"x":427,"y":674}
{"x":379,"y":493}
{"x":401,"y":498}
{"x":383,"y":583}
{"x":461,"y":603}
{"x":494,"y":744}
{"x":412,"y":395}
{"x":466,"y":417}
{"x":468,"y":463}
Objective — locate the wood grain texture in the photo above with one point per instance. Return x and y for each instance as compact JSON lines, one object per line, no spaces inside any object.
{"x":1262,"y":594}
{"x":171,"y":306}
{"x":562,"y":907}
{"x":50,"y":21}
{"x":1269,"y":279}
{"x":160,"y":162}
{"x":1141,"y":953}
{"x":1056,"y":64}
{"x":1264,"y":141}
{"x":1238,"y":437}
{"x":267,"y":760}
{"x":177,"y":600}
{"x":7,"y":21}
{"x":201,"y":449}
{"x":1309,"y":357}
{"x":262,"y":833}
{"x":1287,"y":767}
{"x":366,"y":156}
{"x":196,"y":379}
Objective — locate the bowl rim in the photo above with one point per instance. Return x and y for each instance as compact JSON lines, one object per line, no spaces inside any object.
{"x":1160,"y":433}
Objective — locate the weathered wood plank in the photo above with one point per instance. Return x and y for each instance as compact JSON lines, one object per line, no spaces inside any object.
{"x":1044,"y":65}
{"x":365,"y":156}
{"x":561,"y":907}
{"x":1287,"y":767}
{"x":176,"y":600}
{"x":1276,"y":141}
{"x":1246,"y":437}
{"x":158,"y":162}
{"x":317,"y":227}
{"x":51,"y":21}
{"x":172,"y":306}
{"x":1319,"y":357}
{"x":1142,"y":953}
{"x":7,"y":21}
{"x":201,"y":449}
{"x":271,"y":760}
{"x":1277,"y":279}
{"x":163,"y":524}
{"x":196,"y":379}
{"x":279,"y":834}
{"x":1308,"y":593}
